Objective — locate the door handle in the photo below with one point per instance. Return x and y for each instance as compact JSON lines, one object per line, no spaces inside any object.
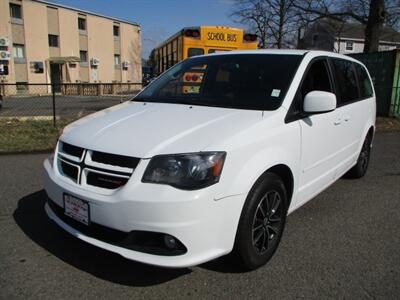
{"x":337,"y":122}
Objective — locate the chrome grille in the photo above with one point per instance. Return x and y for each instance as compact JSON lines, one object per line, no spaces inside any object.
{"x":105,"y":181}
{"x":94,"y":168}
{"x":71,"y":150}
{"x":69,"y":170}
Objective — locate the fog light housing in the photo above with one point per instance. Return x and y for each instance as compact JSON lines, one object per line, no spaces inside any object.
{"x":170,"y":241}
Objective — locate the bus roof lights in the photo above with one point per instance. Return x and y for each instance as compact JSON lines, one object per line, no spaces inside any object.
{"x":192,"y":33}
{"x":250,"y":37}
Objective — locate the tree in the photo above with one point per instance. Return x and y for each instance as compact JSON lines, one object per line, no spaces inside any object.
{"x":274,"y":21}
{"x":374,"y":25}
{"x":371,"y":13}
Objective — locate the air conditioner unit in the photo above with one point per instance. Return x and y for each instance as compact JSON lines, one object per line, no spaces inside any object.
{"x":95,"y":61}
{"x":4,"y":42}
{"x":4,"y":55}
{"x":126,"y":64}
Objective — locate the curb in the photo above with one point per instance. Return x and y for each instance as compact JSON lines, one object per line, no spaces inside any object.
{"x":48,"y":151}
{"x":28,"y":118}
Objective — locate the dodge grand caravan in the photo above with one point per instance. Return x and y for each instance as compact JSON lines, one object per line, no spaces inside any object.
{"x":212,"y":156}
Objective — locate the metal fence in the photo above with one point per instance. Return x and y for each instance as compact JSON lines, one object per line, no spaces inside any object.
{"x":384,"y":67}
{"x":68,"y":100}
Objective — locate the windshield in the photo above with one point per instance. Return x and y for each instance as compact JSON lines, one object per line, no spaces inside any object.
{"x":244,"y":81}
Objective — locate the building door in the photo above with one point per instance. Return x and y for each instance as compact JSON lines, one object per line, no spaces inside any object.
{"x":56,"y":76}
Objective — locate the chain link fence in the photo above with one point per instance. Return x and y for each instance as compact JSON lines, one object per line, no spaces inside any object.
{"x":67,"y":101}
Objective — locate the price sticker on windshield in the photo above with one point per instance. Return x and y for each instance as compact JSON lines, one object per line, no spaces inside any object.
{"x":275,"y":93}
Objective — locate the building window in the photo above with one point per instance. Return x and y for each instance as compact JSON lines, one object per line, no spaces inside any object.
{"x":19,"y":53}
{"x":83,"y":56}
{"x":15,"y":11}
{"x":117,"y":59}
{"x":116,"y":30}
{"x":53,"y":40}
{"x":82,"y":24}
{"x":22,"y":87}
{"x":349,"y":46}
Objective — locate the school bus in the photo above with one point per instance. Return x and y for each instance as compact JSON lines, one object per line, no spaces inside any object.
{"x":192,"y":41}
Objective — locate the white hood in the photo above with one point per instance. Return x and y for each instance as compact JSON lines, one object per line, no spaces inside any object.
{"x":147,"y":129}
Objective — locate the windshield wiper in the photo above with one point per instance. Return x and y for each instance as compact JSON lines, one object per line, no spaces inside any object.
{"x":188,"y":101}
{"x":171,"y":101}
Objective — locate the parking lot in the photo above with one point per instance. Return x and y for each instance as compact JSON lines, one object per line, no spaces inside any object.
{"x":343,"y":244}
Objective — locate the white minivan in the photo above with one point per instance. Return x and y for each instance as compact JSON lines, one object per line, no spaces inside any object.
{"x":212,"y":156}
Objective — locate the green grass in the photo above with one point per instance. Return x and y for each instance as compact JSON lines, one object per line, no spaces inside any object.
{"x":18,"y":135}
{"x":27,"y":135}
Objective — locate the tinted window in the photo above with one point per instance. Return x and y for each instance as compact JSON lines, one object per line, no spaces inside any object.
{"x":195,"y":51}
{"x":346,"y":80}
{"x":364,"y":81}
{"x":317,"y":78}
{"x":244,"y":81}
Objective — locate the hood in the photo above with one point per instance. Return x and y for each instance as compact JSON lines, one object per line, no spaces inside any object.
{"x":147,"y":129}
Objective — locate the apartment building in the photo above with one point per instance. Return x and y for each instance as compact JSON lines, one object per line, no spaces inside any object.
{"x":44,"y":42}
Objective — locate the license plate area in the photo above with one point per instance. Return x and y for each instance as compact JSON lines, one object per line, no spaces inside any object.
{"x":77,"y":209}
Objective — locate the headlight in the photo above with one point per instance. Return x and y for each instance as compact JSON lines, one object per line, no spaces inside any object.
{"x":186,"y":171}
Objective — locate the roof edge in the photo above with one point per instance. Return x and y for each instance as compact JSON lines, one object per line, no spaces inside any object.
{"x":86,"y":12}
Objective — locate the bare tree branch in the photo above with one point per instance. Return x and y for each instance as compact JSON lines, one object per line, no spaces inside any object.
{"x":273,"y":20}
{"x":276,"y":22}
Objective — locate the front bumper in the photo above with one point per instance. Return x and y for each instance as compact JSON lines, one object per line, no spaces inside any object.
{"x":206,"y":227}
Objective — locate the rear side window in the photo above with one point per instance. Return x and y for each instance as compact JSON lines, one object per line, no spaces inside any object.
{"x":346,"y":80}
{"x":364,"y":81}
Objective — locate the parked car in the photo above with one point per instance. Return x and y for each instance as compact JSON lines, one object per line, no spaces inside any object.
{"x":147,"y":75}
{"x":212,"y":156}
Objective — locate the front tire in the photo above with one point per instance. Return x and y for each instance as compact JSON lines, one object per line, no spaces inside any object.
{"x":262,"y":222}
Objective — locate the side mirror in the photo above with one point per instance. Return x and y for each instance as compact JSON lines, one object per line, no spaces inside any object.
{"x":317,"y":102}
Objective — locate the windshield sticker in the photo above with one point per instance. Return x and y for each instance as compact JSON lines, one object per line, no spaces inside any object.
{"x":275,"y":93}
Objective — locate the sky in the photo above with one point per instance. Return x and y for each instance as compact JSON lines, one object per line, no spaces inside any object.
{"x":160,"y":19}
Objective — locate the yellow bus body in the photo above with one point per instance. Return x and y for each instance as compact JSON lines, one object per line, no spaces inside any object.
{"x":210,"y":39}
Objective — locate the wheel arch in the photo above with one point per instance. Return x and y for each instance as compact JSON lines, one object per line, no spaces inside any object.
{"x":285,"y":173}
{"x":371,"y":133}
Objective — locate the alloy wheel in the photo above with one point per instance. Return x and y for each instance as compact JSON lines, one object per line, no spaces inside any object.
{"x":267,"y":222}
{"x":364,"y":155}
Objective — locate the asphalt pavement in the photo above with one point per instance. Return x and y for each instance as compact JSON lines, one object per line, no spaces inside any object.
{"x":344,"y":244}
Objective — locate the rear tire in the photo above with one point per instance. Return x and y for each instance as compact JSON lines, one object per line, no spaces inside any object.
{"x":361,"y":167}
{"x":262,"y":222}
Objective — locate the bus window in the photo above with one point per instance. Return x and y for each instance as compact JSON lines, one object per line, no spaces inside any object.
{"x":195,"y":51}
